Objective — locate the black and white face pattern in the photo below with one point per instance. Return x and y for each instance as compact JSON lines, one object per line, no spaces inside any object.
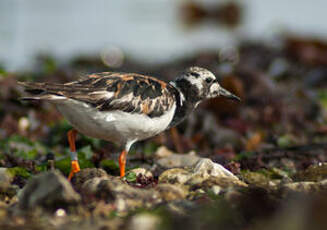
{"x":204,"y":80}
{"x":197,"y":84}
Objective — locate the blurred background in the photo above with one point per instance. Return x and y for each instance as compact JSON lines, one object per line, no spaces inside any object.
{"x":272,"y":54}
{"x":149,"y":31}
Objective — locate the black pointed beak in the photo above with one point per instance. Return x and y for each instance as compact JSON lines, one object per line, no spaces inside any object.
{"x":225,"y":93}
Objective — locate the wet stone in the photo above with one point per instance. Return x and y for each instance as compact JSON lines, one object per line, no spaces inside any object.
{"x":260,"y":180}
{"x":203,"y":176}
{"x":305,"y":187}
{"x":50,"y":190}
{"x":213,"y":184}
{"x":115,"y":191}
{"x":169,"y":160}
{"x":313,"y":173}
{"x":175,"y":176}
{"x":169,"y":192}
{"x":86,"y":174}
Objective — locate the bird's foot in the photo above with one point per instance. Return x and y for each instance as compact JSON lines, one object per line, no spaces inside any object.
{"x":122,"y":163}
{"x":73,"y":155}
{"x":74,"y":169}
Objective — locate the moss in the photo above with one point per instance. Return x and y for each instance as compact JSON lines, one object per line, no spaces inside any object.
{"x":84,"y":160}
{"x":274,"y":173}
{"x":150,"y":148}
{"x":243,"y":155}
{"x":110,"y":166}
{"x":19,"y":171}
{"x":286,"y":141}
{"x":23,"y":147}
{"x":256,"y":178}
{"x":322,"y":96}
{"x":3,"y":72}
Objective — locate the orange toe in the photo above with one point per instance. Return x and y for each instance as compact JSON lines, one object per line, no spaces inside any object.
{"x":74,"y":169}
{"x":122,"y":163}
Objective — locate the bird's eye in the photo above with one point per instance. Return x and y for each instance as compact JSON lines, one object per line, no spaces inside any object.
{"x":209,"y":80}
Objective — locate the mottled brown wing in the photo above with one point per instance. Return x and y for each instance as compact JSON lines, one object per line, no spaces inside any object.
{"x":135,"y":93}
{"x":107,"y":91}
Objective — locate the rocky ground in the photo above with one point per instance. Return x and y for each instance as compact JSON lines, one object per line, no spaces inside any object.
{"x":254,"y":165}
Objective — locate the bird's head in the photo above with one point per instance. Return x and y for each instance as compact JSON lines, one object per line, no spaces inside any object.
{"x":197,"y":84}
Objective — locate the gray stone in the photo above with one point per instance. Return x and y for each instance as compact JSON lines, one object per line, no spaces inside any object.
{"x":86,"y":174}
{"x":162,"y":152}
{"x":173,"y":160}
{"x":204,"y":175}
{"x":175,"y":176}
{"x":123,"y":196}
{"x":169,"y":192}
{"x":207,"y":168}
{"x":49,"y":190}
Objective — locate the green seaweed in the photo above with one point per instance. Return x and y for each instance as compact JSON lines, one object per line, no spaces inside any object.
{"x":19,"y":171}
{"x":322,"y":96}
{"x":131,"y":176}
{"x":109,"y":165}
{"x":22,"y":147}
{"x":285,"y":141}
{"x":243,"y":155}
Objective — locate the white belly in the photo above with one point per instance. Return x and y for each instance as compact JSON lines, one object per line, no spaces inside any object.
{"x":115,"y":126}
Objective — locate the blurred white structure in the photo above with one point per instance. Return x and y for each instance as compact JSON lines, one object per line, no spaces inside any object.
{"x":146,"y":29}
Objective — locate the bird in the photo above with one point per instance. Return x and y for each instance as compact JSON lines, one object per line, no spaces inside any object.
{"x":124,"y":108}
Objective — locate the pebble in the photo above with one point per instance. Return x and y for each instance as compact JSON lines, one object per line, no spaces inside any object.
{"x":50,"y":190}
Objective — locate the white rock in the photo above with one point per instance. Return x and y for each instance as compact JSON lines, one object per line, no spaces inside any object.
{"x":141,"y":171}
{"x":207,"y":168}
{"x":144,"y":221}
{"x":216,"y":189}
{"x":162,"y":152}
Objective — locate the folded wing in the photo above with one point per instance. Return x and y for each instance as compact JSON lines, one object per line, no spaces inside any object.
{"x":132,"y":93}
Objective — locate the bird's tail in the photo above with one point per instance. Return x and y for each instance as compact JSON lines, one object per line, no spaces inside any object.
{"x":39,"y":91}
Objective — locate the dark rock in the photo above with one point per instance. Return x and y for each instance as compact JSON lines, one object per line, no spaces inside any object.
{"x":313,"y":173}
{"x":50,"y":190}
{"x":123,"y":196}
{"x":169,"y":192}
{"x":86,"y":174}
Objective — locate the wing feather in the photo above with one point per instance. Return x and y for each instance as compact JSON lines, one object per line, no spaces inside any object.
{"x":107,"y":91}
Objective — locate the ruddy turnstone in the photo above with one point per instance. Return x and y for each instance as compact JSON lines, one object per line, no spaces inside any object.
{"x":126,"y":107}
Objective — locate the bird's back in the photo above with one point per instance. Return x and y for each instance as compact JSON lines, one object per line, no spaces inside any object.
{"x":118,"y":107}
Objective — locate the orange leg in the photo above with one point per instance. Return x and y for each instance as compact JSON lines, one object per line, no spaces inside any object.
{"x":74,"y":160}
{"x":122,"y":163}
